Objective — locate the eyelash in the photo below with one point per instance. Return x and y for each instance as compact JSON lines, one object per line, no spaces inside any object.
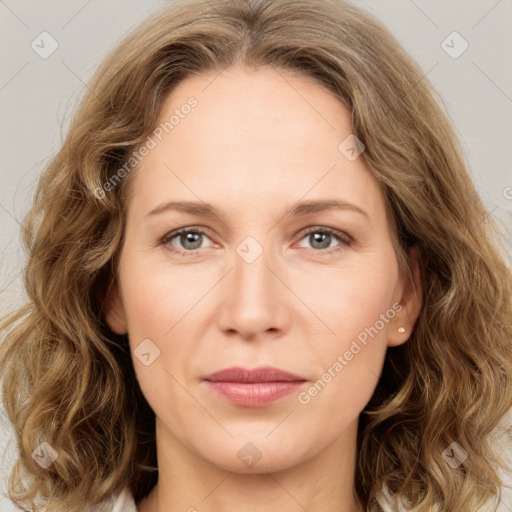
{"x":339,"y":235}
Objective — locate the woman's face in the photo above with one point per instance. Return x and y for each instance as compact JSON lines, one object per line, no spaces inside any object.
{"x":250,"y":286}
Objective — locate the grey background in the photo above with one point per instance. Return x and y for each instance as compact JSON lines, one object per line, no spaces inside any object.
{"x":37,"y":97}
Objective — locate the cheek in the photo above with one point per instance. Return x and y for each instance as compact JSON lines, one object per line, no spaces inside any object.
{"x":357,"y":308}
{"x":156,"y":296}
{"x":160,"y":308}
{"x":154,"y":314}
{"x":352,"y":299}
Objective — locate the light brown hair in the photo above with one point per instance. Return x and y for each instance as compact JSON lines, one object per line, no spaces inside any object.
{"x":69,"y":381}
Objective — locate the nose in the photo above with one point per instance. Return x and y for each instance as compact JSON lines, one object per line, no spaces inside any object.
{"x":255,"y":298}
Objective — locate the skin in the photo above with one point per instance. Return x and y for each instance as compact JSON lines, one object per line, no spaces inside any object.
{"x":258,"y":142}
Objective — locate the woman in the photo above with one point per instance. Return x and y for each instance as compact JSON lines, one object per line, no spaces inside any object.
{"x":255,"y":369}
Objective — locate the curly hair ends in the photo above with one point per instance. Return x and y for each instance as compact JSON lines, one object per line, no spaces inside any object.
{"x":69,"y":381}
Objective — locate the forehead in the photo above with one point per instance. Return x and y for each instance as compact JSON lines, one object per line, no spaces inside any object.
{"x":263,"y":136}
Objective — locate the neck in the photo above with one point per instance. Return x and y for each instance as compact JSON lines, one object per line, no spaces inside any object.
{"x":190,"y":483}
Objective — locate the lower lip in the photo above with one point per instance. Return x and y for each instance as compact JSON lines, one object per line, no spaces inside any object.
{"x":254,"y":394}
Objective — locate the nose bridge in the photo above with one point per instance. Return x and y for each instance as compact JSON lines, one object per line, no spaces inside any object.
{"x":251,"y":275}
{"x":254,"y":304}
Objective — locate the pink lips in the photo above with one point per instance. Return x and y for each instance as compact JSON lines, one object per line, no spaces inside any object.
{"x":255,"y":387}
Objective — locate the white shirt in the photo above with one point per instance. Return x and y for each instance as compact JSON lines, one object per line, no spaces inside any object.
{"x":124,"y":502}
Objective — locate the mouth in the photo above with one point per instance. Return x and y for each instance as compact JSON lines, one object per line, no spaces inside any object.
{"x":255,"y":387}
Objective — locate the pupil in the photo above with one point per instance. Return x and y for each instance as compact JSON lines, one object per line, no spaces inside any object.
{"x":189,"y":238}
{"x":318,"y":238}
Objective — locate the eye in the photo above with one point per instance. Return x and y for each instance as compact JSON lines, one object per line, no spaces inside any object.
{"x":190,"y":239}
{"x":321,"y":238}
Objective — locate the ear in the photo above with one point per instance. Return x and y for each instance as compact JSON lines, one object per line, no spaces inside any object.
{"x":113,"y":308}
{"x":408,"y":295}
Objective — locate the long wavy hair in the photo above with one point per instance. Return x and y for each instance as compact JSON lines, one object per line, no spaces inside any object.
{"x":69,"y":381}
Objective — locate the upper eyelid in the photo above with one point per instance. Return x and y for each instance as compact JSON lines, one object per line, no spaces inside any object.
{"x":192,"y":229}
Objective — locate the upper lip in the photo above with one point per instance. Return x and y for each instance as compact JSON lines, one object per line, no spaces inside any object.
{"x":259,"y":374}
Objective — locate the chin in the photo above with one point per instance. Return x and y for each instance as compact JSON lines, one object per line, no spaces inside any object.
{"x":248,"y":454}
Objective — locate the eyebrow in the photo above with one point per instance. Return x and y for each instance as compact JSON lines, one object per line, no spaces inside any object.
{"x":300,"y":209}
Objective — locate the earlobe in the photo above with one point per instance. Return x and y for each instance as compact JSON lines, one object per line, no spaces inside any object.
{"x":397,"y":336}
{"x":410,"y":301}
{"x":114,"y":313}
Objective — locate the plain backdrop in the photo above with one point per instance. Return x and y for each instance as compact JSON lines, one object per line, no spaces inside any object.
{"x":37,"y":96}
